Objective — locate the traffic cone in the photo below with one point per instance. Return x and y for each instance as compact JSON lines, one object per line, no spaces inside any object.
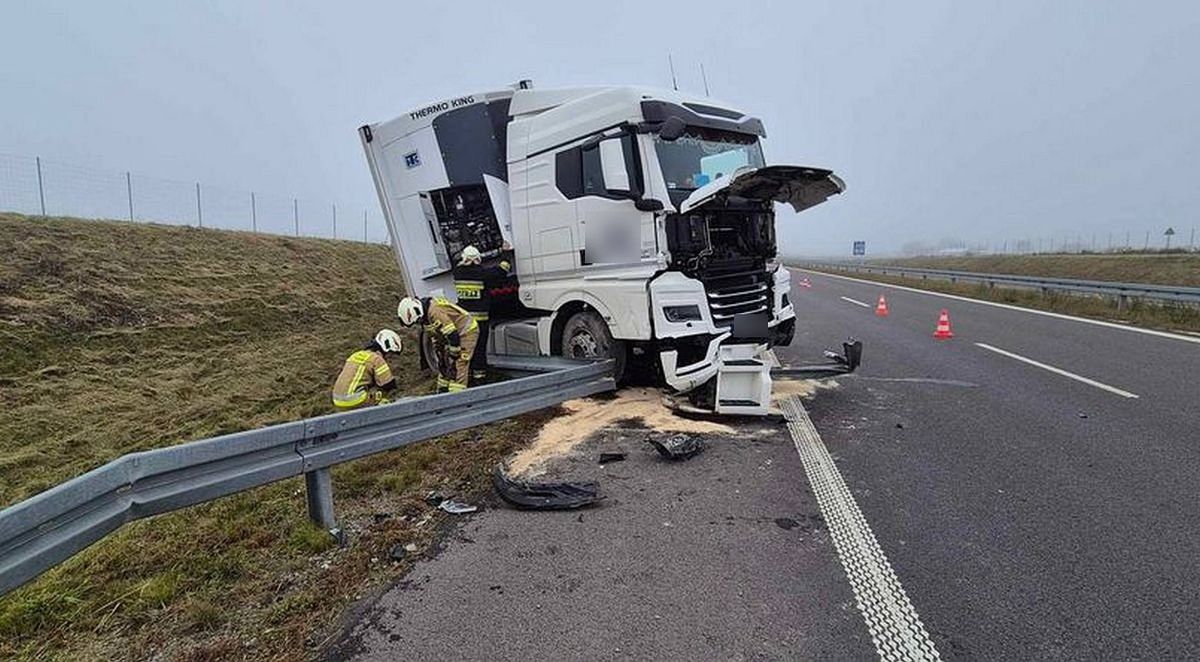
{"x":804,"y":282}
{"x":881,"y":309}
{"x":942,"y":332}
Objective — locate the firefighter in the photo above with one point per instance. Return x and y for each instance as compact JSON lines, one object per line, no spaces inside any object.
{"x":366,"y":378}
{"x":454,"y":333}
{"x":474,"y":282}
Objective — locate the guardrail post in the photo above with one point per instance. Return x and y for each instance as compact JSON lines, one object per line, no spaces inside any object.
{"x":318,"y":485}
{"x":1122,"y":302}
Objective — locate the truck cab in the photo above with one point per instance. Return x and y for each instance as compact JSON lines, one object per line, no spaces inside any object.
{"x":642,"y":223}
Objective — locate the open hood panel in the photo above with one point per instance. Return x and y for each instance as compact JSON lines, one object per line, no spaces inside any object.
{"x":798,"y":186}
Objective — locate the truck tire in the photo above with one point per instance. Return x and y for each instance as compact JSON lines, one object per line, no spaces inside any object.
{"x":428,"y":357}
{"x":586,"y":336}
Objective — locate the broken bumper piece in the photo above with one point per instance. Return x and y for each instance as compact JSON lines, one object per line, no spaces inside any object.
{"x":556,"y":495}
{"x":838,"y":364}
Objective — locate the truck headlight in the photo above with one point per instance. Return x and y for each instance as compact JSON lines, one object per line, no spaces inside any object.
{"x":682,"y":313}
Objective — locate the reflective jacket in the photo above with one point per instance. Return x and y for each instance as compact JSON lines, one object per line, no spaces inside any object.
{"x":447,"y":322}
{"x":362,"y":370}
{"x":473,"y":284}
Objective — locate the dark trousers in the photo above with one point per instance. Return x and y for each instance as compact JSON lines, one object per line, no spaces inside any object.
{"x":479,"y":364}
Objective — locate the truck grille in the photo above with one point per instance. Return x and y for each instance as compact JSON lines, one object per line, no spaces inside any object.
{"x":734,"y":294}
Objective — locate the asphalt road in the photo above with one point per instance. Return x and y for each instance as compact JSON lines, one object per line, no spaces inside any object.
{"x":1028,"y":515}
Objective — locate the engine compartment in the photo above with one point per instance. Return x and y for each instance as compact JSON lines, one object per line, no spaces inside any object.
{"x":724,"y":236}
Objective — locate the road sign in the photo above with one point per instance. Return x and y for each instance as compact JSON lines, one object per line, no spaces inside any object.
{"x":860,"y":248}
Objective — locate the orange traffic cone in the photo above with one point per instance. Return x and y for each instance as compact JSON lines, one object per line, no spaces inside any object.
{"x":804,"y":282}
{"x":943,"y":331}
{"x":881,"y":309}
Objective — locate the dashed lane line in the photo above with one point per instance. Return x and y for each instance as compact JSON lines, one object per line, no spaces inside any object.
{"x":1058,"y":371}
{"x":895,"y":628}
{"x":855,"y":302}
{"x":1046,"y":313}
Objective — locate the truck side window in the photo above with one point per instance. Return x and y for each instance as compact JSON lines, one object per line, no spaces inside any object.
{"x":568,"y":173}
{"x":577,"y":171}
{"x":593,"y":173}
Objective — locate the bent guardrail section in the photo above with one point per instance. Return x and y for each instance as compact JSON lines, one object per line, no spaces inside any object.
{"x":47,"y":529}
{"x":1122,"y":291}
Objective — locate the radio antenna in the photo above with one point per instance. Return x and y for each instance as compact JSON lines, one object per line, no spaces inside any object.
{"x":671,"y":61}
{"x":705,"y":78}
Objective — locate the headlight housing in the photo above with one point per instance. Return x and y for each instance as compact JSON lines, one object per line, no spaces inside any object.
{"x":689,"y":313}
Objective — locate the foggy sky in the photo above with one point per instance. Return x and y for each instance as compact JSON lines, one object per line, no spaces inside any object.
{"x":985,"y":121}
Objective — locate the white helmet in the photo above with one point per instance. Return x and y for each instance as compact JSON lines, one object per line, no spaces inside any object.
{"x":470,"y":255}
{"x":410,"y":311}
{"x":388,"y":341}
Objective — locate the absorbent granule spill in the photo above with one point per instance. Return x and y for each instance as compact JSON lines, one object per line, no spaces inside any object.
{"x":584,"y":417}
{"x":781,"y":389}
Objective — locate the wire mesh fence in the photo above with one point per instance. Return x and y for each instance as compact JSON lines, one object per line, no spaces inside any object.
{"x":35,"y":186}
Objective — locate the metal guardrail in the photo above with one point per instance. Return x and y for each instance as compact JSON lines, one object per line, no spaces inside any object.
{"x":1122,"y":291}
{"x":47,"y":529}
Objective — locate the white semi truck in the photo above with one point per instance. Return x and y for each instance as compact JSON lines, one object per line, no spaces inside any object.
{"x":642,"y":223}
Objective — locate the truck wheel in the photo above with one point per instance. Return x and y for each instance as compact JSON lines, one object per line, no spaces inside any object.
{"x":586,"y":336}
{"x":428,"y":357}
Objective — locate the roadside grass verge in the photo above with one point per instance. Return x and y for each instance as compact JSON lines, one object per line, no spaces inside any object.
{"x":116,"y":337}
{"x":1159,"y":268}
{"x":1166,"y":317}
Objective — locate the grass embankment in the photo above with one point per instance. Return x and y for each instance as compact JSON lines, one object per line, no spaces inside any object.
{"x":1165,"y":316}
{"x":117,"y":337}
{"x":1159,"y":268}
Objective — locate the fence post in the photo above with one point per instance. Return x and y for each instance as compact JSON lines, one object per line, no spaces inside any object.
{"x":253,"y":213}
{"x":199,"y":210}
{"x":318,"y":486}
{"x":129,"y":193}
{"x":296,"y":214}
{"x":41,"y":190}
{"x":335,"y":220}
{"x":365,"y":227}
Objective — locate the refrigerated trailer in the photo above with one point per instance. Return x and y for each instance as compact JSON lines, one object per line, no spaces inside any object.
{"x":642,"y":223}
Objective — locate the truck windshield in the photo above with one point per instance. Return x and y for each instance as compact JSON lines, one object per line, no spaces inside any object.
{"x":700,"y":156}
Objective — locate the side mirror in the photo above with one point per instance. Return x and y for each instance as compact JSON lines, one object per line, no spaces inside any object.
{"x":612,"y":166}
{"x":647,"y":204}
{"x":671,"y":129}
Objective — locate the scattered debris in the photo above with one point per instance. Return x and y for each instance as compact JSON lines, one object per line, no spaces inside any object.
{"x":561,"y":495}
{"x":613,"y":456}
{"x":900,"y":426}
{"x":561,"y":435}
{"x":435,"y":498}
{"x":677,"y":446}
{"x":400,"y":552}
{"x":1083,"y":415}
{"x":457,"y":507}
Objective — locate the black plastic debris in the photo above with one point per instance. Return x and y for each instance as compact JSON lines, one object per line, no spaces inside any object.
{"x":614,"y":456}
{"x":557,"y":495}
{"x":435,"y":498}
{"x":677,"y":447}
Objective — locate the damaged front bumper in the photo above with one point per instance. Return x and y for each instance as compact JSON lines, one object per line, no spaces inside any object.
{"x":837,"y":364}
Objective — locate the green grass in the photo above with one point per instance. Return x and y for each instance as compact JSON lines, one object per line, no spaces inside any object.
{"x":116,"y":337}
{"x":1160,"y":268}
{"x":1168,"y":317}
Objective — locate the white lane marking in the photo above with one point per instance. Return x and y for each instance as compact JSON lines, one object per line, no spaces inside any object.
{"x":894,"y":625}
{"x":1058,"y":371}
{"x":855,"y":302}
{"x":1111,"y":325}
